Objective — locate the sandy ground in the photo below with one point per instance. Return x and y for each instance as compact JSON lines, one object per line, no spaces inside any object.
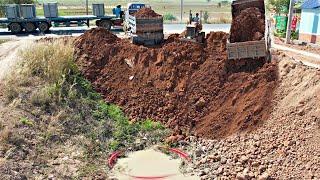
{"x":9,"y":55}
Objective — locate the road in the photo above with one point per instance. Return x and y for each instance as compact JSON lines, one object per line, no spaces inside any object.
{"x":76,"y":31}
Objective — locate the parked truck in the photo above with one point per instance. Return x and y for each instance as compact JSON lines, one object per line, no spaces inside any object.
{"x":145,"y":30}
{"x":21,"y":18}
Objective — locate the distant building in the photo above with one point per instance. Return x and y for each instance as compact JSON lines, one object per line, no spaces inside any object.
{"x":309,"y":30}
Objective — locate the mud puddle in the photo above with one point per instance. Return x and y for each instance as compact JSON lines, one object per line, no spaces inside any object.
{"x":149,"y":164}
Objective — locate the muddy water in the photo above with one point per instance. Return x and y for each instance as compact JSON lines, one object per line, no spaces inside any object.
{"x":149,"y":163}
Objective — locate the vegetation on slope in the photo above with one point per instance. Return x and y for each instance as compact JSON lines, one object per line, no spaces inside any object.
{"x":55,"y":124}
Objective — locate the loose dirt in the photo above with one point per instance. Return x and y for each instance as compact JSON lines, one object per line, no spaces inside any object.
{"x":187,"y":86}
{"x":249,"y":25}
{"x":146,"y":12}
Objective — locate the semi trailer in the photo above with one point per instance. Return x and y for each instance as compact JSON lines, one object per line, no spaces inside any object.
{"x":17,"y":23}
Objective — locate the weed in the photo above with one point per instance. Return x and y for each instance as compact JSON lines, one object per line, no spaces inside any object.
{"x":41,"y":97}
{"x":5,"y":134}
{"x":25,"y":121}
{"x":3,"y":41}
{"x":49,"y":61}
{"x":150,"y":125}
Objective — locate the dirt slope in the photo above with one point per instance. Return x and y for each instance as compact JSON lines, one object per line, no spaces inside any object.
{"x":286,"y":146}
{"x":182,"y":84}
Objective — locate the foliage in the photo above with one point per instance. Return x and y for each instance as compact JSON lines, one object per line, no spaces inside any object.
{"x":282,"y":34}
{"x":3,"y":41}
{"x":295,"y":35}
{"x":205,"y":16}
{"x":279,"y":6}
{"x":26,"y":121}
{"x":169,"y":17}
{"x":4,"y":2}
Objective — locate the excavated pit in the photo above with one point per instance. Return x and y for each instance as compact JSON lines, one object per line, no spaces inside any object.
{"x":187,"y":86}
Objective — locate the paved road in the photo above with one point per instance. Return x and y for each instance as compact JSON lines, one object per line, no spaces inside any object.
{"x":76,"y":31}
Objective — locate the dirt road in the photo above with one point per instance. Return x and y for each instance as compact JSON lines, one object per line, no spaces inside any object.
{"x":306,"y":58}
{"x":9,"y":55}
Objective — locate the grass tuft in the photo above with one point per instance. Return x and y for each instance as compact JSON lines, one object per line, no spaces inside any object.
{"x":25,"y":121}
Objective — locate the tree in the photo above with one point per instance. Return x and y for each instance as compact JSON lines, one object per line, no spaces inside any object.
{"x":4,"y":2}
{"x":205,"y":16}
{"x":279,"y":6}
{"x":169,"y":17}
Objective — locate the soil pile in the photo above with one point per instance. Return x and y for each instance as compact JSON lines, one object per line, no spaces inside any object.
{"x":249,"y":25}
{"x":146,"y":12}
{"x":182,"y":84}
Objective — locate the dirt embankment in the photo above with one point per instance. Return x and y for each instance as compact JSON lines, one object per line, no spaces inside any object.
{"x":182,"y":84}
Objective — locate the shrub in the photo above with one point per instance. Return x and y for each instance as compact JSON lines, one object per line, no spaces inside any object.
{"x":169,"y":17}
{"x":205,"y":16}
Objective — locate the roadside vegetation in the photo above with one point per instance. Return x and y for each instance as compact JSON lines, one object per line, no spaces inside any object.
{"x":3,"y":2}
{"x":3,"y":41}
{"x":65,"y":128}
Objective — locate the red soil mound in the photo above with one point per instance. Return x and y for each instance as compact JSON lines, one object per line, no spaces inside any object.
{"x":182,"y":84}
{"x":146,"y":12}
{"x":249,"y":25}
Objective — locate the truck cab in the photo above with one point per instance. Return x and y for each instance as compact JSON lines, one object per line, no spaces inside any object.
{"x":131,"y":9}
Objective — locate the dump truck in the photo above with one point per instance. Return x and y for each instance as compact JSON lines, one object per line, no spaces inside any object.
{"x":22,"y":18}
{"x":253,"y":49}
{"x":143,"y":30}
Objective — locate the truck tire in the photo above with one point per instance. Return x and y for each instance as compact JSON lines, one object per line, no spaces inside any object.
{"x":30,"y":27}
{"x":44,"y":27}
{"x":15,"y":28}
{"x":106,"y":24}
{"x":98,"y":23}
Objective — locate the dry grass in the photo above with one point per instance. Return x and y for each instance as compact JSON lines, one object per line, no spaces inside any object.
{"x":59,"y":108}
{"x":48,"y":60}
{"x":221,"y":20}
{"x":3,"y":41}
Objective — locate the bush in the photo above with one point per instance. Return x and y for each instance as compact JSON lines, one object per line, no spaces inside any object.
{"x":205,"y":16}
{"x":169,"y":17}
{"x":4,"y":2}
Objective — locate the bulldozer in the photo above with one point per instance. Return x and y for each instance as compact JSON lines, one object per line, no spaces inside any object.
{"x":193,"y":31}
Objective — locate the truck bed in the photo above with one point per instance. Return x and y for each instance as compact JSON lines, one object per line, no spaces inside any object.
{"x":249,"y":49}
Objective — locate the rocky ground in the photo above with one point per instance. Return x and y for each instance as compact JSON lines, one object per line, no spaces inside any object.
{"x":286,"y":146}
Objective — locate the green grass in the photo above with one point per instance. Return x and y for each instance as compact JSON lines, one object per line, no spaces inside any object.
{"x":26,"y":121}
